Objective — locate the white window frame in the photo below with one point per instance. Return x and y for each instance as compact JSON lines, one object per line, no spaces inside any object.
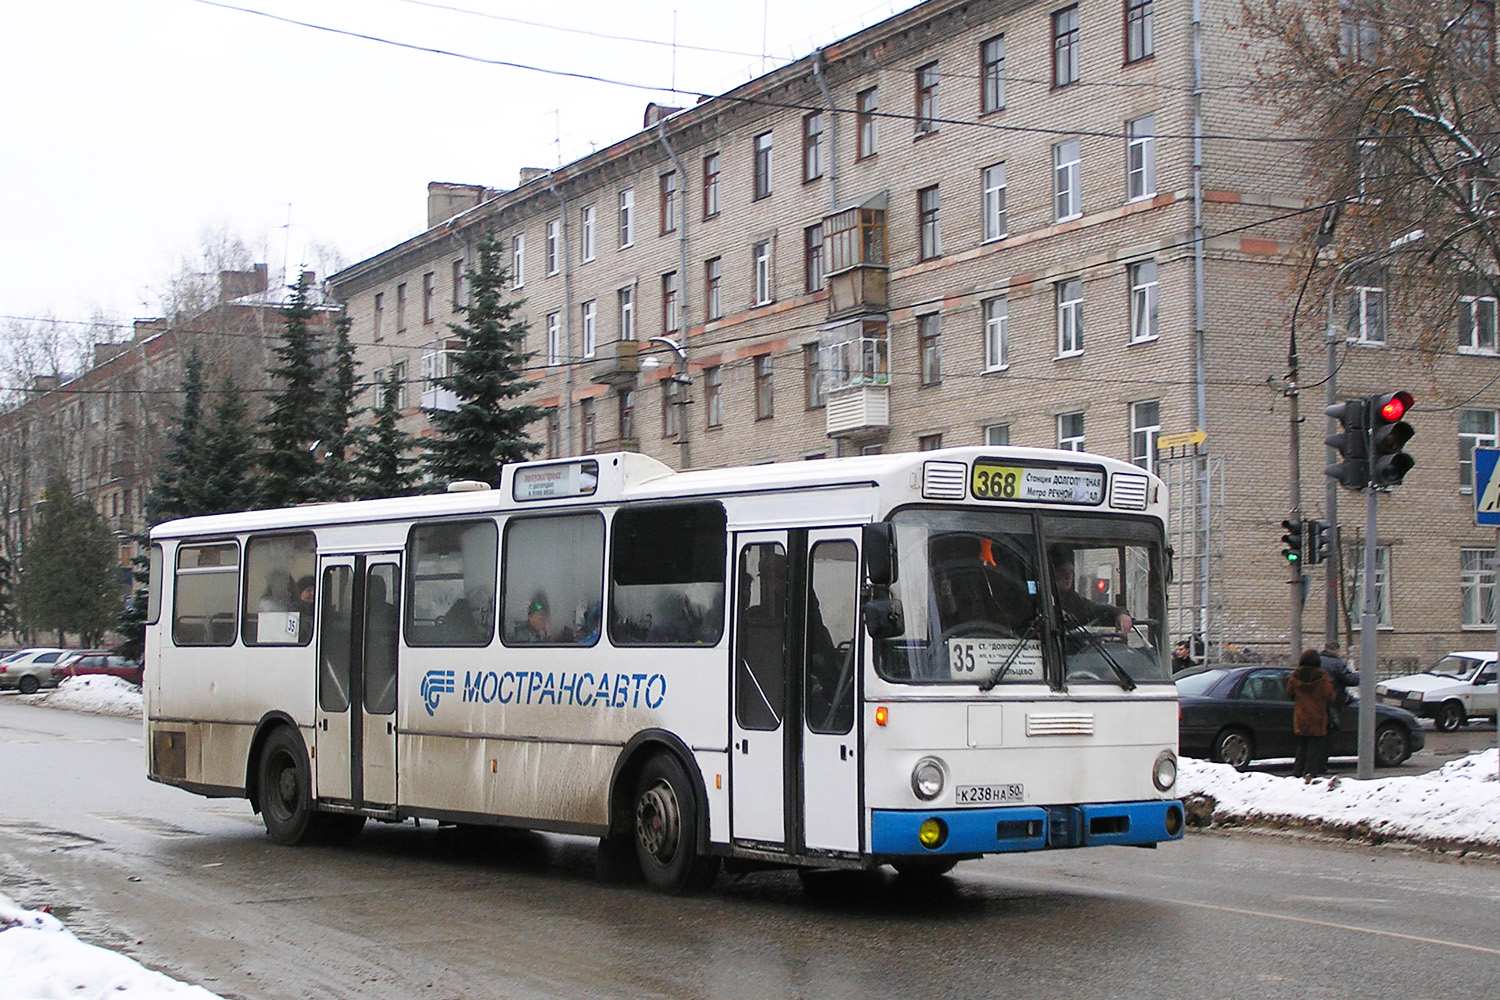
{"x":1069,"y":317}
{"x":1476,"y":585}
{"x":713,"y":395}
{"x":586,"y":234}
{"x":627,"y":218}
{"x":1365,"y":311}
{"x":992,"y":75}
{"x":761,"y":253}
{"x":518,"y":260}
{"x":1070,"y":431}
{"x":992,"y":202}
{"x":1356,"y":562}
{"x":1468,"y":440}
{"x":1067,"y":176}
{"x":625,"y":300}
{"x":1145,"y":428}
{"x":995,"y":314}
{"x":554,"y":231}
{"x":1140,"y":158}
{"x":590,"y":316}
{"x":1144,"y":309}
{"x":554,"y":339}
{"x":1475,"y":340}
{"x":997,"y":435}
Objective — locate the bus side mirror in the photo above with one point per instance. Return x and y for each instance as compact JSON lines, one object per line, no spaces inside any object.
{"x":879,"y":544}
{"x":883,"y":618}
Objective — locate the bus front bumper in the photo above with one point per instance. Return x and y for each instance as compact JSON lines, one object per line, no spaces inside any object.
{"x":899,"y":832}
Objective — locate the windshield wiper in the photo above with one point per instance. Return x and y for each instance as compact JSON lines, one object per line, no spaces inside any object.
{"x":1126,"y":681}
{"x":1025,"y":632}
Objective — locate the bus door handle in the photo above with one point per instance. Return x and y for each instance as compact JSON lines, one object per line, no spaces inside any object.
{"x":744,"y":746}
{"x":843,"y":752}
{"x":324,"y":724}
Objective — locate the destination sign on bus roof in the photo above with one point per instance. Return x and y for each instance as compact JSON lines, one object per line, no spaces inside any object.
{"x":998,"y":479}
{"x":549,"y":482}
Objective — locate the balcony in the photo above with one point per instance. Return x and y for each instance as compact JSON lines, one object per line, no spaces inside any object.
{"x":862,"y":412}
{"x":615,"y":363}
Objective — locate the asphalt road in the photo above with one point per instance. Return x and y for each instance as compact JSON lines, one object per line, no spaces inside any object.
{"x":193,"y":888}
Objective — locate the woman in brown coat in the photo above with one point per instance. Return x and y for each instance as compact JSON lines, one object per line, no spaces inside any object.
{"x":1311,"y":692}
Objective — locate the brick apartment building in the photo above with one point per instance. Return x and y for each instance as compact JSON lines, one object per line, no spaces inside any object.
{"x":975,"y":222}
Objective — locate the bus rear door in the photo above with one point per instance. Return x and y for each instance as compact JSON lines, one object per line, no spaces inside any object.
{"x":830,"y":692}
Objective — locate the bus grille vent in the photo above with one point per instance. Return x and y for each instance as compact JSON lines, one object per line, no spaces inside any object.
{"x":1060,"y":724}
{"x":943,"y":480}
{"x":1128,"y":492}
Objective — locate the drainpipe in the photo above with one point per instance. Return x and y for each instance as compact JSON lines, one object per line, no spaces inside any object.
{"x":833,"y":167}
{"x":1200,"y":321}
{"x":682,"y":295}
{"x":567,"y":323}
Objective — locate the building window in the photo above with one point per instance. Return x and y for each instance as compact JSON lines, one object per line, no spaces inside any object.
{"x":992,"y":201}
{"x":1359,"y":32}
{"x":1477,"y":586}
{"x":1140,"y":157}
{"x":671,"y":406}
{"x":713,"y":278}
{"x":1476,"y":429}
{"x":812,"y":256}
{"x":927,"y":214}
{"x":625,"y":300}
{"x":627,"y":415}
{"x":1145,"y":427}
{"x":668,"y":206}
{"x":812,"y":146}
{"x":379,"y":319}
{"x":765,"y":390}
{"x":867,"y":123}
{"x":763,"y":166}
{"x":590,"y":426}
{"x":586,"y":236}
{"x":429,"y":296}
{"x":711,"y":185}
{"x":929,"y":442}
{"x":627,"y":217}
{"x":1070,"y":431}
{"x":1067,"y":168}
{"x":1356,"y":561}
{"x":1065,"y":46}
{"x":669,"y":318}
{"x":997,"y":435}
{"x":992,"y":74}
{"x":812,"y":378}
{"x":1365,"y":315}
{"x":1069,"y":317}
{"x":401,"y":308}
{"x":930,"y":347}
{"x":996,"y":339}
{"x":1140,"y":32}
{"x":590,"y":316}
{"x":927,"y":98}
{"x":554,"y":339}
{"x":554,"y":435}
{"x":383,"y":378}
{"x":1143,"y":301}
{"x":762,"y":255}
{"x":554,"y":230}
{"x":1477,"y":324}
{"x":457,"y":280}
{"x":713,"y":396}
{"x":518,"y":260}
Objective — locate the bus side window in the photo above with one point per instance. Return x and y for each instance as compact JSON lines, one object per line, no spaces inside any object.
{"x":204,"y":594}
{"x":451,"y":595}
{"x":667,"y":576}
{"x":550,"y":601}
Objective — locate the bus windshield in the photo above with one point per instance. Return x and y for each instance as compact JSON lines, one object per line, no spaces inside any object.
{"x":1011,"y":597}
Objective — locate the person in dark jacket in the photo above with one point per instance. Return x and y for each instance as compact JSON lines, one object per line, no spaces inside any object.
{"x":1343,"y":679}
{"x":1311,"y":692}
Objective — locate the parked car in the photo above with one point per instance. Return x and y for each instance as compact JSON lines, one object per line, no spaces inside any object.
{"x":1449,"y":692}
{"x":1236,"y":715}
{"x":85,"y":662}
{"x":28,"y":670}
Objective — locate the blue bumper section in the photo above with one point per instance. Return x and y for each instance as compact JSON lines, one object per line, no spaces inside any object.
{"x":1028,"y":828}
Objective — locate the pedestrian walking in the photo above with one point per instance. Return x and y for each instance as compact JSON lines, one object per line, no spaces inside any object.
{"x":1343,"y":679}
{"x":1311,"y":691}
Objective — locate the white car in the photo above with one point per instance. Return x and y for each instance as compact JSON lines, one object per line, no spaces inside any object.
{"x":1454,"y":688}
{"x":27,"y":670}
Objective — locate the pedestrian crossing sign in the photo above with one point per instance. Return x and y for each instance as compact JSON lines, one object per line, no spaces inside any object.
{"x":1486,"y":486}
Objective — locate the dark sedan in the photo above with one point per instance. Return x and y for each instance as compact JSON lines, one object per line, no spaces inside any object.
{"x":1240,"y":714}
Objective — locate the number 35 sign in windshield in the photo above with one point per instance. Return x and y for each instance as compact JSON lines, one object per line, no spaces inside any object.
{"x":995,"y":480}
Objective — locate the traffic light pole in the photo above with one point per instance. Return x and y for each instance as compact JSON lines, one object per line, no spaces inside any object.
{"x":1295,"y":584}
{"x":1367,"y":647}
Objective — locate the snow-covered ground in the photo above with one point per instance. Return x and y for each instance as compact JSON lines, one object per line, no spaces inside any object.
{"x":1455,"y":808}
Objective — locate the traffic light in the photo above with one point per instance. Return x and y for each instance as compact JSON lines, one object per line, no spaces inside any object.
{"x":1319,"y":542}
{"x":1388,"y":435}
{"x":1354,"y":471}
{"x":1292,"y":540}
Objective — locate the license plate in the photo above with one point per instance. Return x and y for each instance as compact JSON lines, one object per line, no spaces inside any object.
{"x":970,"y":795}
{"x":976,"y":659}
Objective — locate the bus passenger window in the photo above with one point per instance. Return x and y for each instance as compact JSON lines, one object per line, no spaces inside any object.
{"x":203,"y":594}
{"x":760,"y":643}
{"x":550,"y":601}
{"x":451,"y":595}
{"x":667,"y":576}
{"x":279,"y":590}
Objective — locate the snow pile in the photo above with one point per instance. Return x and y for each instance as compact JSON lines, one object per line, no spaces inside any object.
{"x":40,"y":959}
{"x":96,"y":695}
{"x":1455,"y":807}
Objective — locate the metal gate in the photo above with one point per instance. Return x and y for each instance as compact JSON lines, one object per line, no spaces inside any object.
{"x":1195,"y":530}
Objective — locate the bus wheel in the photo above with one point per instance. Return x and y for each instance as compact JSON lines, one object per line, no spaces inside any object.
{"x":666,"y":821}
{"x":285,"y":793}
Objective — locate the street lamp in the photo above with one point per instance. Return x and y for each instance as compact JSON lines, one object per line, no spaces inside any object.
{"x":679,"y":350}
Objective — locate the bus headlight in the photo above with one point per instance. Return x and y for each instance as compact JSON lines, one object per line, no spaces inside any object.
{"x":927,"y":779}
{"x":1164,"y":772}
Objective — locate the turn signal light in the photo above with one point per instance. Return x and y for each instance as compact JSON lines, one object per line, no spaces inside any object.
{"x":933,"y":833}
{"x":881,"y":715}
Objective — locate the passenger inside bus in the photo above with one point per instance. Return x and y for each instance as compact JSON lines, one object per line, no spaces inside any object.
{"x":536,"y":628}
{"x":463,"y":622}
{"x":1078,"y":610}
{"x":306,"y":593}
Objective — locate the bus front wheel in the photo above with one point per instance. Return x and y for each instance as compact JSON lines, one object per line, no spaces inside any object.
{"x":285,"y":792}
{"x":666,"y":824}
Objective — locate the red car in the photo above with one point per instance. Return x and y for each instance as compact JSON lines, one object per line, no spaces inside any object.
{"x":83,"y":662}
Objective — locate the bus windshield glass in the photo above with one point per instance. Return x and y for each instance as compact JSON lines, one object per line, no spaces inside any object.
{"x":1001,"y":597}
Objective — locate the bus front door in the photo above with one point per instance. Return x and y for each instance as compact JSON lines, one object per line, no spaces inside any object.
{"x":355,"y":756}
{"x":830,"y":803}
{"x":757,"y":770}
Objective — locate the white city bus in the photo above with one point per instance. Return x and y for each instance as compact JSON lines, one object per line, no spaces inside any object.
{"x":906,"y":659}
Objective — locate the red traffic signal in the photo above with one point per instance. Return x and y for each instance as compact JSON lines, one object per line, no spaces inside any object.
{"x":1392,"y":407}
{"x":1388,"y":436}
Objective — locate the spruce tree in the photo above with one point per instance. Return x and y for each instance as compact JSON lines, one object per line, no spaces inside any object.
{"x":384,"y":466}
{"x":335,"y":477}
{"x":173,"y":494}
{"x":484,"y":432}
{"x":228,"y":453}
{"x":9,"y":625}
{"x":288,"y":466}
{"x":69,"y":582}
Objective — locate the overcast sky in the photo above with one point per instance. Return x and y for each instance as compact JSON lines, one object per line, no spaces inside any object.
{"x":128,"y":128}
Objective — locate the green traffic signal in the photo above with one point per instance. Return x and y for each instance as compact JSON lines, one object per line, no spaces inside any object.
{"x":1292,"y":540}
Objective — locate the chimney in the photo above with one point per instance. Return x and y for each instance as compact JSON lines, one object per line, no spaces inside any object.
{"x":444,"y":200}
{"x":45,"y":383}
{"x":237,"y":284}
{"x":656,"y":112}
{"x":529,"y":174}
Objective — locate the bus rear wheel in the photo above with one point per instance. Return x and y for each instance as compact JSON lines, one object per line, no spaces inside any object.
{"x":666,"y":824}
{"x":284,"y":795}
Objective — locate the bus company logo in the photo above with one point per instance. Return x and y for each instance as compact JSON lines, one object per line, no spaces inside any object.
{"x":435,"y":683}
